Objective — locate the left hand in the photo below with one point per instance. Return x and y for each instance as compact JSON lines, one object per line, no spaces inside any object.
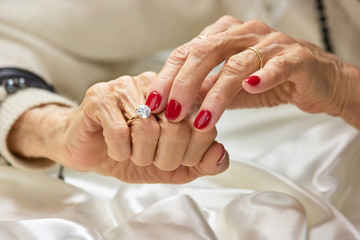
{"x":95,"y":137}
{"x":294,"y":71}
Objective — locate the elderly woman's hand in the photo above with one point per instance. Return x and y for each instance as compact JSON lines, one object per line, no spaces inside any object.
{"x":95,"y":137}
{"x":294,"y":72}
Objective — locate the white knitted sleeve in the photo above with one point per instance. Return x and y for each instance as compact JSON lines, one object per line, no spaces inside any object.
{"x":11,"y":109}
{"x":15,"y":55}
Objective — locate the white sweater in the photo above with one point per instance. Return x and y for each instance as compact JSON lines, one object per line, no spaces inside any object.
{"x":73,"y":44}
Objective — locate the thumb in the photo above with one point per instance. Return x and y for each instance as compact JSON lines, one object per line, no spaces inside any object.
{"x":214,"y":161}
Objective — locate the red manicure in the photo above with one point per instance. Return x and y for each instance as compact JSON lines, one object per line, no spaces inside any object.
{"x":202,"y":119}
{"x":173,"y":110}
{"x":252,"y":80}
{"x":153,"y":101}
{"x":221,"y":159}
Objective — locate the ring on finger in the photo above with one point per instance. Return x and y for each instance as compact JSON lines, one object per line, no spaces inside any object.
{"x":258,"y":54}
{"x":202,"y":36}
{"x":142,"y":111}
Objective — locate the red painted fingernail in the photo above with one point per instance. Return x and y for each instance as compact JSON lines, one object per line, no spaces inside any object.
{"x":202,"y":119}
{"x":252,"y":80}
{"x":173,"y":110}
{"x":221,"y":159}
{"x":153,"y":100}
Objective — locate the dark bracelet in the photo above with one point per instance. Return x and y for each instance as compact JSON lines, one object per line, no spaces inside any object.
{"x":14,"y":79}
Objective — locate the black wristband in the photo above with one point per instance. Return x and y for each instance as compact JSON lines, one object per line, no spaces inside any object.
{"x":14,"y":79}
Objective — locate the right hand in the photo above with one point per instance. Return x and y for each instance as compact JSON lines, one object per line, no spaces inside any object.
{"x":294,"y":71}
{"x":95,"y":137}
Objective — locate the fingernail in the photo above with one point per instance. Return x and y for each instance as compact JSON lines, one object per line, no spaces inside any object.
{"x":173,"y":110}
{"x":252,"y":80}
{"x":221,"y":159}
{"x":153,"y":100}
{"x":202,"y":119}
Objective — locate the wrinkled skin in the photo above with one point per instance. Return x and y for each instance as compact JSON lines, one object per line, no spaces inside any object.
{"x":95,"y":137}
{"x":294,"y":71}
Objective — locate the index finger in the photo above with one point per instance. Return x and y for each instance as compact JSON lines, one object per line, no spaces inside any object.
{"x":203,"y":56}
{"x":159,"y":90}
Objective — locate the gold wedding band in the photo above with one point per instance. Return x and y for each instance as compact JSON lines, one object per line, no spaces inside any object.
{"x":258,"y":54}
{"x":202,"y":36}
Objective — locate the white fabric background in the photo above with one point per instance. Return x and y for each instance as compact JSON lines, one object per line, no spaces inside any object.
{"x":292,"y":176}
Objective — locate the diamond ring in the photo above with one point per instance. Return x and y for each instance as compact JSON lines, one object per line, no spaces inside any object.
{"x":142,"y":111}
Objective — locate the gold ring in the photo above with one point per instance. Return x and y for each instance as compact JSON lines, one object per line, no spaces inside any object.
{"x":142,"y":111}
{"x":132,"y":119}
{"x":258,"y":54}
{"x":202,"y":36}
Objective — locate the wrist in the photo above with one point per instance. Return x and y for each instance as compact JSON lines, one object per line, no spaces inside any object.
{"x":35,"y":133}
{"x":349,"y":94}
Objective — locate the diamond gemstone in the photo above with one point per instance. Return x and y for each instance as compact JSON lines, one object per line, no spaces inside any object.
{"x":143,"y":111}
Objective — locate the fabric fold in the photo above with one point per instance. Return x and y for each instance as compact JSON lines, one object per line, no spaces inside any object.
{"x":175,"y":218}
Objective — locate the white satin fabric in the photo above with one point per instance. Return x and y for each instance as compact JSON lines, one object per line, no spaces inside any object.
{"x":292,"y":176}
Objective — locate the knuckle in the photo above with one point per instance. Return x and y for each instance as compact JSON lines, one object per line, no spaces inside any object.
{"x":208,"y":28}
{"x":179,"y":55}
{"x":145,"y":78}
{"x":176,"y":132}
{"x":228,"y":19}
{"x":234,"y":66}
{"x":207,"y":137}
{"x":142,"y":160}
{"x":149,"y":74}
{"x":121,"y":131}
{"x":148,"y":128}
{"x":260,"y":25}
{"x":166,"y":166}
{"x":152,"y":130}
{"x":190,"y":163}
{"x":117,"y":156}
{"x":95,"y":98}
{"x":193,"y":160}
{"x":183,"y":83}
{"x":124,"y":78}
{"x":121,"y":78}
{"x":300,"y":51}
{"x":121,"y":82}
{"x":205,"y":47}
{"x":279,"y":36}
{"x":218,"y":97}
{"x":181,"y":129}
{"x":96,"y":89}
